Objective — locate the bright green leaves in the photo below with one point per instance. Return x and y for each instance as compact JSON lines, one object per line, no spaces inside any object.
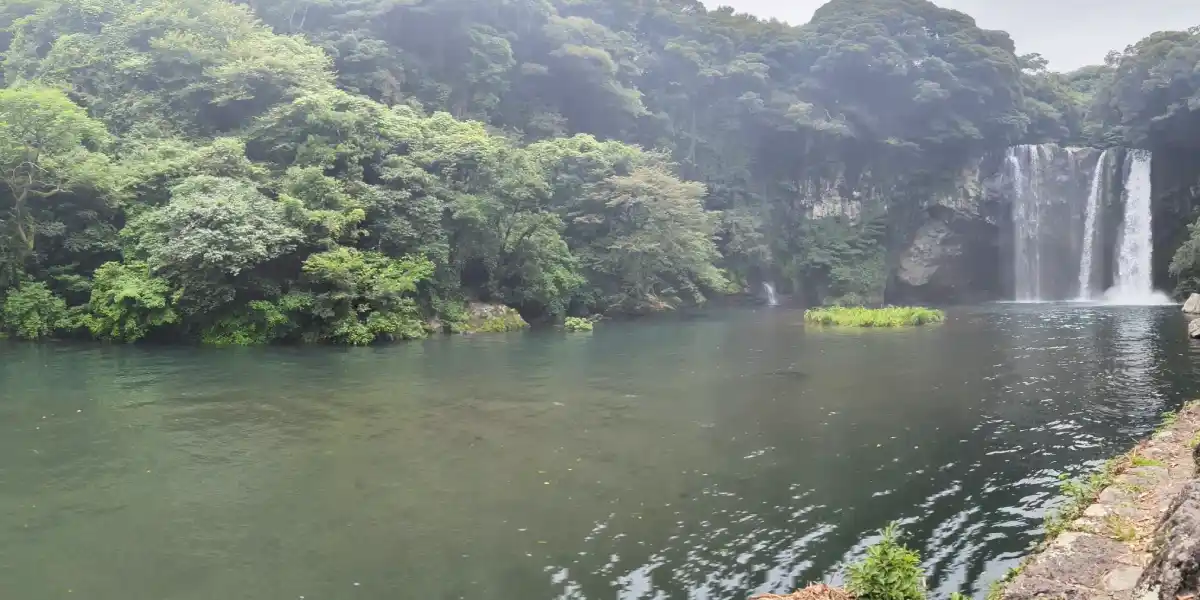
{"x":161,"y":66}
{"x":47,"y":148}
{"x":128,"y":303}
{"x":1185,"y":265}
{"x":890,"y":571}
{"x":40,"y":121}
{"x":360,"y":297}
{"x":33,"y":312}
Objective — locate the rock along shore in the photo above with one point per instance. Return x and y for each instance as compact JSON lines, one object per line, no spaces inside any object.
{"x":1139,"y":538}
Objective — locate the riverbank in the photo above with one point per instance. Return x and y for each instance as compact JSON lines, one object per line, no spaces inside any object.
{"x":1117,"y":535}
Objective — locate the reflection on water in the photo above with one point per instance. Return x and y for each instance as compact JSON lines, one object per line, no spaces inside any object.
{"x":703,"y":458}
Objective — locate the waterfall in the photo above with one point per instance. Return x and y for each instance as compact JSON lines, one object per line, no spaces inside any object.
{"x":1051,"y":195}
{"x":1134,"y":277}
{"x":769,"y":290}
{"x":1066,"y":225}
{"x":1030,"y":208}
{"x":1089,"y":227}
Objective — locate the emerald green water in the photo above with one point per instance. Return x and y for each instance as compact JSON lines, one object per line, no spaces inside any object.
{"x":710,"y":457}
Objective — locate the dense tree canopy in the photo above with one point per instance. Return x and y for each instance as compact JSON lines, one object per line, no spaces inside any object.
{"x":349,"y":170}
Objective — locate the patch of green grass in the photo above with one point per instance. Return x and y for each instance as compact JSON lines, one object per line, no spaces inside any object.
{"x":1169,"y":418}
{"x":577,"y":324}
{"x":1195,"y":441}
{"x":1132,"y":488}
{"x":895,"y":316}
{"x":1138,"y":460}
{"x":996,"y":590}
{"x":1081,"y":493}
{"x":1120,"y":528}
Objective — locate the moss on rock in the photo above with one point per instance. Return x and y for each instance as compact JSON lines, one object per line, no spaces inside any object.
{"x":492,"y":318}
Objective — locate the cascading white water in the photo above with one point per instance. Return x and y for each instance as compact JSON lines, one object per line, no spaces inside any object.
{"x":1089,"y":228}
{"x":1059,"y":225}
{"x":1027,"y":221}
{"x":769,"y":290}
{"x":1134,"y":278}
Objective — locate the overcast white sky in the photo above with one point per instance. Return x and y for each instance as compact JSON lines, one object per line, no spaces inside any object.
{"x":1070,"y":33}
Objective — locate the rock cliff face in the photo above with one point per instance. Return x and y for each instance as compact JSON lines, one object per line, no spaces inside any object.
{"x":955,"y":253}
{"x":1176,"y":197}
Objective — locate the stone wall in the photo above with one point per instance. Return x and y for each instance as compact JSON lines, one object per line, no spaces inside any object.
{"x":1140,"y":539}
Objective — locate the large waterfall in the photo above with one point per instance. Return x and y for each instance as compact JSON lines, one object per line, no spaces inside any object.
{"x":1134,"y":277}
{"x":1081,"y":224}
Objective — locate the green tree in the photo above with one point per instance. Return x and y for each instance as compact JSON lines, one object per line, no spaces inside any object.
{"x":1155,"y":91}
{"x":649,"y":242}
{"x":159,"y":67}
{"x":212,"y":240}
{"x":360,"y":297}
{"x":46,"y":152}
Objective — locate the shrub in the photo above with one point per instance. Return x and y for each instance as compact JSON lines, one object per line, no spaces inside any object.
{"x":259,"y":323}
{"x":577,"y":324}
{"x":128,"y":302}
{"x":362,"y":297}
{"x":896,"y":316}
{"x":33,"y":312}
{"x":890,"y":571}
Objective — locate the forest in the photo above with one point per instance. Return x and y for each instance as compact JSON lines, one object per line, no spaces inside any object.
{"x":352,"y":171}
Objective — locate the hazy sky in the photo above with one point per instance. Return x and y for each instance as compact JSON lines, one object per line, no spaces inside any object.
{"x":1070,"y":33}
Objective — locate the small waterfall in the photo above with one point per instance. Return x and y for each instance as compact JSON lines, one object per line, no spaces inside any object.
{"x":1089,"y":228}
{"x":1021,"y":222}
{"x":1134,"y":277}
{"x":769,"y":290}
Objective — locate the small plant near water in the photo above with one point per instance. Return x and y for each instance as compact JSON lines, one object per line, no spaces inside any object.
{"x":1120,"y":528}
{"x":892,"y":316}
{"x":996,"y":591}
{"x":1081,"y":493}
{"x":1169,"y":418}
{"x":1138,"y":460}
{"x":577,"y":324}
{"x":1132,"y":488}
{"x":890,"y":571}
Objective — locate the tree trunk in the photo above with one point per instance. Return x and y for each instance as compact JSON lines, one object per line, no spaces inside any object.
{"x":19,"y":218}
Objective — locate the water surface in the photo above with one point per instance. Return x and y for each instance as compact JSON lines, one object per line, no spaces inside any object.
{"x":707,"y":457}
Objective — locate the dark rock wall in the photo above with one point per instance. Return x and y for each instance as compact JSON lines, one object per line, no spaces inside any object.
{"x":1175,"y":180}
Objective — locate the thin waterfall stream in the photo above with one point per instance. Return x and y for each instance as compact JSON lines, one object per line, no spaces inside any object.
{"x":1089,"y":227}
